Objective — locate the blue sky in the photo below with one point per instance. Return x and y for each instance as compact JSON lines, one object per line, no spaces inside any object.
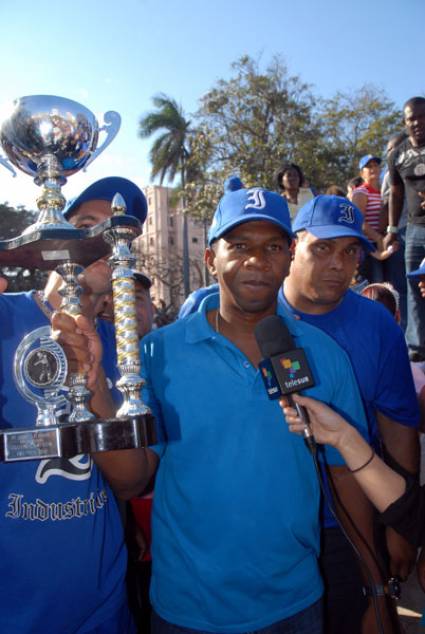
{"x":117,"y":55}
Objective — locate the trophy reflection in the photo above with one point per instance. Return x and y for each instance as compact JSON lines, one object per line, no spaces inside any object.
{"x":51,"y":138}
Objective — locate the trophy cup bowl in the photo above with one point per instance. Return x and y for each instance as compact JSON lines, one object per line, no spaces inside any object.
{"x":40,"y":126}
{"x":50,"y":138}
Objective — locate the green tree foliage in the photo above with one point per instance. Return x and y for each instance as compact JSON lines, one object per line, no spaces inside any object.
{"x":256,"y":119}
{"x":169,"y":153}
{"x":169,"y":150}
{"x":14,"y":221}
{"x":12,"y":224}
{"x":354,"y":124}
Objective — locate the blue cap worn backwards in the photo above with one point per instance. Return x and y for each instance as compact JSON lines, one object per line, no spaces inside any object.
{"x":332,"y":217}
{"x":105,"y":189}
{"x":245,"y":205}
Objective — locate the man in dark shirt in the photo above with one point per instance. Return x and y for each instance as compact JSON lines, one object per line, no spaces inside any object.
{"x":407,"y":174}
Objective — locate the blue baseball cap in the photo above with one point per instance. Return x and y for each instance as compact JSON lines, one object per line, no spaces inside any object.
{"x":419,"y":271}
{"x":245,"y":205}
{"x":105,"y":189}
{"x":368,"y":157}
{"x":332,"y":217}
{"x":232,"y":184}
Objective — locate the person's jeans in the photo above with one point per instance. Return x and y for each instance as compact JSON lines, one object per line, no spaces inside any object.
{"x":414,"y":254}
{"x":308,"y":621}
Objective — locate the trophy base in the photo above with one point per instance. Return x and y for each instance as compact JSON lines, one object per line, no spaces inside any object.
{"x":46,"y":247}
{"x":119,"y":433}
{"x":70,"y":440}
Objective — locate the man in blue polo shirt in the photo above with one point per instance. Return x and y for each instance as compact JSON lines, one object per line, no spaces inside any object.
{"x":327,"y":248}
{"x":235,"y":520}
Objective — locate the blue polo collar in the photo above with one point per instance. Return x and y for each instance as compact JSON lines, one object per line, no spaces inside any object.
{"x":199,"y":329}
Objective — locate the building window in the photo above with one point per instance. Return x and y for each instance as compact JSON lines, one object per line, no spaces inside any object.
{"x":171,"y":240}
{"x":150,"y":220}
{"x":149,"y":201}
{"x":171,"y":221}
{"x":195,"y":240}
{"x":151,"y":241}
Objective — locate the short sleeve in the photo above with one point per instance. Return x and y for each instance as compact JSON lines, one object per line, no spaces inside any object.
{"x":395,"y":393}
{"x":343,"y":395}
{"x":148,"y":394}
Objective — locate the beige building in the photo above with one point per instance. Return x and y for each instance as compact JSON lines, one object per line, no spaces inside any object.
{"x":159,"y":249}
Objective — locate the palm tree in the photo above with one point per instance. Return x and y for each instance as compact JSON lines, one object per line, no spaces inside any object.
{"x":169,"y":154}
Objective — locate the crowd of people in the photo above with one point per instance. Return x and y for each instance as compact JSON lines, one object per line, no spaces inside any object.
{"x":235,"y":523}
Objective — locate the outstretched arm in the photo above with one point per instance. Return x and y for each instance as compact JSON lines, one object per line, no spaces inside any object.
{"x":382,"y":485}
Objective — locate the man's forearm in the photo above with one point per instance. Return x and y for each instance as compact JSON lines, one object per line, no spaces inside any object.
{"x":127,"y":471}
{"x":400,"y":442}
{"x":395,"y":205}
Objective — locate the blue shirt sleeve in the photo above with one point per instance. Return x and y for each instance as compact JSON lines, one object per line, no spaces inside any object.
{"x":148,"y":396}
{"x":333,"y":370}
{"x":395,"y":393}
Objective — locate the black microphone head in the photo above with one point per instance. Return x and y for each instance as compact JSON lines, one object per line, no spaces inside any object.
{"x":273,"y":336}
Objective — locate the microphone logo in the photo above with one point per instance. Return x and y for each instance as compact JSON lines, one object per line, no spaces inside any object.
{"x":292,"y":366}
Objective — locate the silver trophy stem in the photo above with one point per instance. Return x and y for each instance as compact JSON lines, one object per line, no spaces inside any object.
{"x":51,"y":201}
{"x":122,"y":262}
{"x":46,"y":415}
{"x":70,"y":291}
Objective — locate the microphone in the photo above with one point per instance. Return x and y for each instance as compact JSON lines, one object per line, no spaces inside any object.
{"x":284,"y":368}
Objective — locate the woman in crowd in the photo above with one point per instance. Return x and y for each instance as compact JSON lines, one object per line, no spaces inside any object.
{"x":290,"y":181}
{"x":367,"y":197}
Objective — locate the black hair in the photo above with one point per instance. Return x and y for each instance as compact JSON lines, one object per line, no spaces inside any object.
{"x":335,"y":190}
{"x":355,"y":182}
{"x":383,"y":293}
{"x":395,"y":140}
{"x":414,"y":101}
{"x":285,"y":168}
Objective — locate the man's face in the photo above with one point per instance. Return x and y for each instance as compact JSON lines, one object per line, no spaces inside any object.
{"x":322,"y":271}
{"x":144,"y":309}
{"x":96,"y":278}
{"x":90,"y":213}
{"x":250,"y":263}
{"x":414,"y":119}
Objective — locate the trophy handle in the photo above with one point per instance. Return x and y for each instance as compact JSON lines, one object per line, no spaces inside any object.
{"x":7,"y":164}
{"x":112,"y":124}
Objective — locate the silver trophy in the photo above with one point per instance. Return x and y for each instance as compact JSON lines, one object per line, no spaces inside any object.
{"x":51,"y":138}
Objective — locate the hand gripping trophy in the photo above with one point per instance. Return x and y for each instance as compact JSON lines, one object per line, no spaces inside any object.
{"x":52,"y":138}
